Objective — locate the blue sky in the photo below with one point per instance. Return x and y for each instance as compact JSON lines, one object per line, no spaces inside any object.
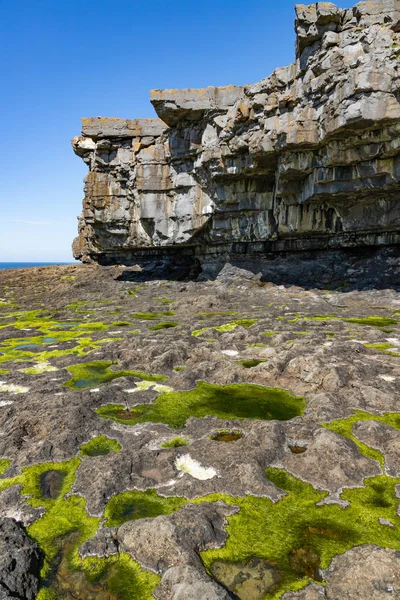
{"x":67,"y":59}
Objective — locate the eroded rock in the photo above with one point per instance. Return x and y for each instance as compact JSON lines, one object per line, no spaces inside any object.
{"x":307,"y":158}
{"x":20,"y":562}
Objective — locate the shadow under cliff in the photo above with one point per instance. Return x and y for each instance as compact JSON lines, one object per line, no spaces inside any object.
{"x":346,"y":269}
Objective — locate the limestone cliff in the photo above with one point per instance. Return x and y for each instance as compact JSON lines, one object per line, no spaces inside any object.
{"x":306,"y":158}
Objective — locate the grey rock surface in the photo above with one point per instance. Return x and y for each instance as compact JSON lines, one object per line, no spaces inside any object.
{"x":189,"y":583}
{"x":20,"y":562}
{"x":364,"y":572}
{"x":304,"y":159}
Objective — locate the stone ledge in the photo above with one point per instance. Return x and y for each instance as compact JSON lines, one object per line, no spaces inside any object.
{"x":173,"y":106}
{"x":97,"y":127}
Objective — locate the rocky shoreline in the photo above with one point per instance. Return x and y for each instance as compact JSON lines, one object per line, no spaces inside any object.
{"x":199,"y":438}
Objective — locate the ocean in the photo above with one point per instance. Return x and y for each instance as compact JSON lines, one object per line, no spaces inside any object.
{"x":25,"y":265}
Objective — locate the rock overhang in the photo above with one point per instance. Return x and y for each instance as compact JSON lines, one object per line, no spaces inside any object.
{"x":306,"y":158}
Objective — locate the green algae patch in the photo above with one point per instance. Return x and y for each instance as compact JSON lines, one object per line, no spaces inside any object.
{"x":244,"y":322}
{"x":92,"y":374}
{"x":164,"y":325}
{"x":298,"y":537}
{"x":134,"y":505}
{"x":236,"y":401}
{"x":176,"y":442}
{"x":100,"y":446}
{"x":62,"y":529}
{"x":373,"y":321}
{"x":226,"y":435}
{"x":164,"y":300}
{"x":249,"y":363}
{"x":42,"y":348}
{"x":152,"y":316}
{"x":379,"y":346}
{"x":198,"y":332}
{"x":5,"y":464}
{"x":344,"y":427}
{"x":59,"y":533}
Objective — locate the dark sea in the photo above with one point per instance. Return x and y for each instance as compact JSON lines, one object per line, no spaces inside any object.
{"x":24,"y":265}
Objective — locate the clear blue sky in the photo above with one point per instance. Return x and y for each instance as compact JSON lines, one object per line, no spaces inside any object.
{"x":67,"y":59}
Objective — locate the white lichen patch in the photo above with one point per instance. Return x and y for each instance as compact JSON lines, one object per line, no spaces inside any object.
{"x":387,"y":377}
{"x":39,"y":368}
{"x":187,"y":464}
{"x":5,"y":402}
{"x":12,"y":388}
{"x":393,"y":341}
{"x":230,"y":352}
{"x":147,"y":385}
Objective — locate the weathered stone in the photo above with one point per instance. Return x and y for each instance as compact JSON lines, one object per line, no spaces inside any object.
{"x":307,"y":158}
{"x":189,"y":583}
{"x":384,"y":438}
{"x":20,"y":562}
{"x":177,"y":539}
{"x":364,"y":572}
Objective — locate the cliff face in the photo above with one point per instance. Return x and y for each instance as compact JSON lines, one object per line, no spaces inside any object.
{"x":306,"y":158}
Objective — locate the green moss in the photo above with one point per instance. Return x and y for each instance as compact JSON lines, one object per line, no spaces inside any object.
{"x":176,"y":442}
{"x":92,"y":374}
{"x":344,"y":427}
{"x":59,"y":533}
{"x":226,"y":435}
{"x":237,"y":401}
{"x":379,"y":346}
{"x":62,"y":529}
{"x":151,"y":316}
{"x":40,"y":348}
{"x":225,"y":328}
{"x":4,"y":371}
{"x":165,"y":300}
{"x":300,"y":332}
{"x":134,"y":505}
{"x":269,"y":333}
{"x":296,"y":536}
{"x":180,"y":368}
{"x":330,"y":334}
{"x":164,"y":325}
{"x":244,"y":322}
{"x":373,"y":321}
{"x":33,"y":483}
{"x":249,"y":363}
{"x":99,"y":446}
{"x":5,"y":464}
{"x":198,"y":332}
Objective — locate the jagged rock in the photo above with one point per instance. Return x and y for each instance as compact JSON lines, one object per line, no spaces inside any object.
{"x":176,"y":540}
{"x":307,"y":158}
{"x":364,"y":572}
{"x":384,"y":438}
{"x":20,"y":562}
{"x":189,"y":583}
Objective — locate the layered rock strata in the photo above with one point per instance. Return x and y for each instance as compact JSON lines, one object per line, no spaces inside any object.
{"x":308,"y":158}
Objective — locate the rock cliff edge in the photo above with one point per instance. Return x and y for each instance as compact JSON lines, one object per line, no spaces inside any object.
{"x":308,"y":158}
